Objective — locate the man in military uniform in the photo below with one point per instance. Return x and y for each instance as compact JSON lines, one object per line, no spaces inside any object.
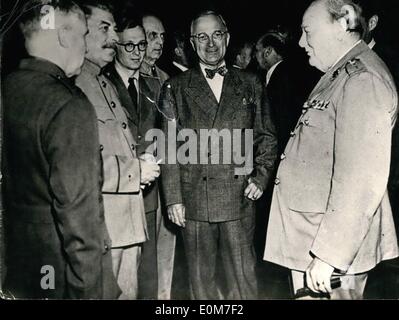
{"x":330,"y":214}
{"x":55,"y":227}
{"x":124,"y":173}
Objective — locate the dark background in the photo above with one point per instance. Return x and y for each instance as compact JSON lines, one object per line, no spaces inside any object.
{"x":246,"y":19}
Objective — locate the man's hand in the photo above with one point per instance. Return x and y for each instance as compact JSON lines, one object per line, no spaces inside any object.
{"x":149,"y":172}
{"x":177,"y":214}
{"x":318,"y":276}
{"x":252,"y":192}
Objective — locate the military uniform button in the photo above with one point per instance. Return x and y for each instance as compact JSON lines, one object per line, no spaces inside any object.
{"x":106,"y":247}
{"x":139,"y":137}
{"x":113,"y":104}
{"x":101,"y":147}
{"x":283,"y":156}
{"x":124,"y":125}
{"x":104,"y":84}
{"x":304,"y":111}
{"x":277,"y":181}
{"x":306,"y":122}
{"x":292,"y":133}
{"x":133,"y":147}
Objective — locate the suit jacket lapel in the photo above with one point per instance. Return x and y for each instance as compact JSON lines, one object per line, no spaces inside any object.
{"x":124,"y":95}
{"x":231,"y":96}
{"x":145,"y":99}
{"x":200,"y":91}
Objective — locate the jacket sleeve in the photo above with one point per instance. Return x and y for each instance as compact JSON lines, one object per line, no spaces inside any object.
{"x":360,"y":171}
{"x":265,"y":139}
{"x":169,"y":123}
{"x":72,"y":150}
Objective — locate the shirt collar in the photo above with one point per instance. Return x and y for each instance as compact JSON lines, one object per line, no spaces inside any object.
{"x":180,"y":66}
{"x":371,"y":44}
{"x":271,"y":70}
{"x":125,"y":73}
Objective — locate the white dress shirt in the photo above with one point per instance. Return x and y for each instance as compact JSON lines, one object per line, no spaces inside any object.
{"x":216,"y":83}
{"x":270,"y":71}
{"x":126,"y":74}
{"x":179,"y":66}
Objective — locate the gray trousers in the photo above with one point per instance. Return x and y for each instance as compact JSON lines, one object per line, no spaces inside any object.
{"x":224,"y":248}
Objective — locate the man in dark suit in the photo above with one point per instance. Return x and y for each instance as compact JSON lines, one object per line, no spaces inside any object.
{"x":137,"y":97}
{"x":181,"y":53}
{"x":213,"y":203}
{"x":57,"y":241}
{"x":286,"y":82}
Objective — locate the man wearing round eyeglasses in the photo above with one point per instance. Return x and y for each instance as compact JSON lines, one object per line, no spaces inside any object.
{"x":212,"y":203}
{"x":138,"y":96}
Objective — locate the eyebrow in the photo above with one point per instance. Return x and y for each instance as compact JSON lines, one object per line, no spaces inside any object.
{"x":105,"y":22}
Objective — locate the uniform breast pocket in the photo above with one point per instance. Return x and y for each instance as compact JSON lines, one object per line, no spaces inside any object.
{"x":319,"y":120}
{"x":109,"y":133}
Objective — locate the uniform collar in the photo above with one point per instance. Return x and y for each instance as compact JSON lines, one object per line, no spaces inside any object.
{"x":356,"y":50}
{"x":91,"y":68}
{"x":146,"y":68}
{"x":42,"y":65}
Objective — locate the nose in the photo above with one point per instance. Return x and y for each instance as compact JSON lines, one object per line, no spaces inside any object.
{"x":113,"y":36}
{"x":302,"y":40}
{"x":211,"y":42}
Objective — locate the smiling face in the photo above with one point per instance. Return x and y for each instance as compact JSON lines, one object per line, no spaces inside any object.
{"x":155,"y":33}
{"x":102,"y":38}
{"x":131,"y":60}
{"x":211,"y":52}
{"x":321,"y":36}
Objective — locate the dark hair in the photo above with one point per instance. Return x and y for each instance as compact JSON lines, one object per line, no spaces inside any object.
{"x":88,"y":5}
{"x":129,"y":22}
{"x":278,"y":41}
{"x":235,"y":48}
{"x":30,"y":19}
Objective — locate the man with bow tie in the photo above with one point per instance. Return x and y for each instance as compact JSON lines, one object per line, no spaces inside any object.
{"x":211,"y":203}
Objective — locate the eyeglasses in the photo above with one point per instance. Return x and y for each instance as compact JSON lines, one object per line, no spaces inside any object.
{"x":130,"y":46}
{"x":204,"y":38}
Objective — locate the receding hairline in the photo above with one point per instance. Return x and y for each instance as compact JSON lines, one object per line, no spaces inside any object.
{"x":207,"y":14}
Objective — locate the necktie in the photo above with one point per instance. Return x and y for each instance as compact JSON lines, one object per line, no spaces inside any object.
{"x":210,"y":73}
{"x":133,"y":92}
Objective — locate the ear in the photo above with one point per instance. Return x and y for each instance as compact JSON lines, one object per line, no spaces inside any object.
{"x":372,"y":23}
{"x":177,"y":52}
{"x":349,"y":20}
{"x":228,"y":40}
{"x":193,"y":44}
{"x":64,"y":34}
{"x":267,"y":51}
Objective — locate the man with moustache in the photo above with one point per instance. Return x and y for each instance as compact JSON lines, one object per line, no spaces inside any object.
{"x":330,"y":215}
{"x":211,"y":203}
{"x":136,"y":96}
{"x":57,"y":241}
{"x":124,"y":173}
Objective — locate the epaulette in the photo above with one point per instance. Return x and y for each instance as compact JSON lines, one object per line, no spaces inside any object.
{"x":354,"y":66}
